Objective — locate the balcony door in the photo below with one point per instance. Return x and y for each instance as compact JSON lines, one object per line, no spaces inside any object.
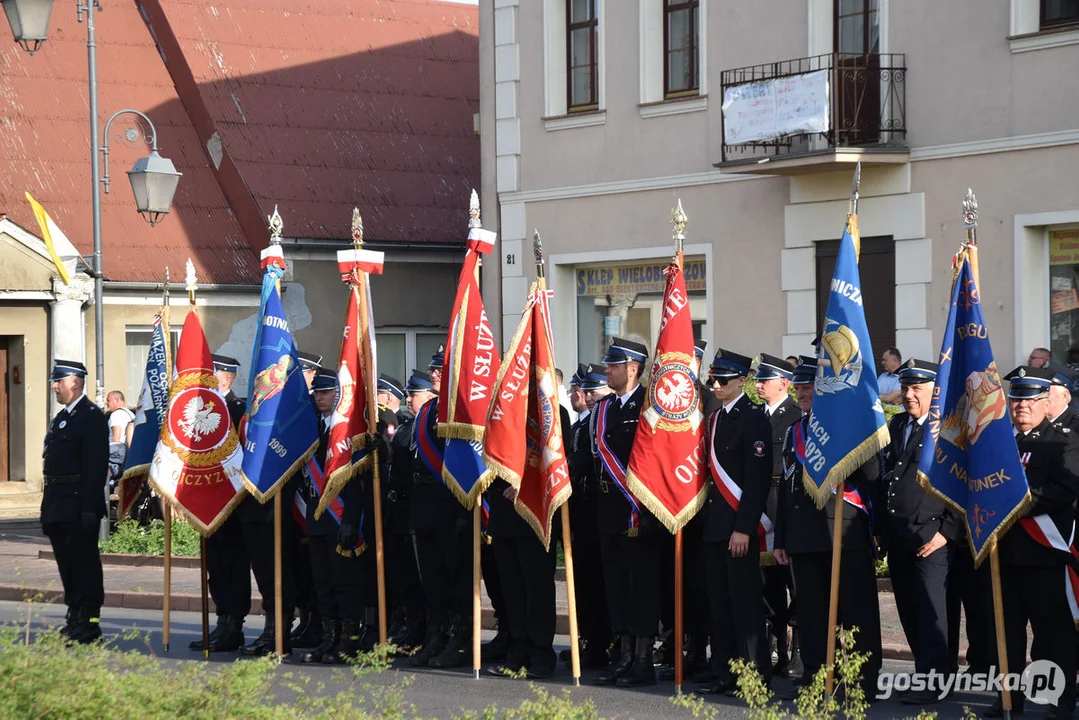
{"x":877,"y":269}
{"x":856,"y":43}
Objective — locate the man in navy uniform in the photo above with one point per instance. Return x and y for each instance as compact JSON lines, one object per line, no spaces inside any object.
{"x":227,"y":564}
{"x":739,"y":442}
{"x":307,"y":632}
{"x":803,"y":538}
{"x":629,"y":534}
{"x":919,"y":531}
{"x":391,"y":393}
{"x":773,"y":381}
{"x":310,"y":364}
{"x":76,"y":466}
{"x":1033,"y":574}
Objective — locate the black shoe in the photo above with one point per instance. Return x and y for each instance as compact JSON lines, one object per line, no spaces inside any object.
{"x":454,"y":653}
{"x":88,"y":628}
{"x":328,"y":631}
{"x":397,"y":632}
{"x":215,"y":632}
{"x":996,"y":710}
{"x":494,"y":651}
{"x":347,"y":646}
{"x":432,"y":645}
{"x":266,"y":643}
{"x":231,"y":637}
{"x":70,"y":622}
{"x":794,"y":668}
{"x":619,"y":668}
{"x":704,"y":677}
{"x":308,"y":632}
{"x":643,"y":671}
{"x":721,"y":686}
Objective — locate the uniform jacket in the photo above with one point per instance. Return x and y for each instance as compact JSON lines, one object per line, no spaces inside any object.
{"x":612,"y":507}
{"x":397,"y":488}
{"x":1052,"y":469}
{"x":801,"y":527}
{"x":743,"y":446}
{"x":350,"y":495}
{"x":781,"y":420}
{"x":77,"y":455}
{"x":909,"y":516}
{"x":432,"y":505}
{"x":1067,"y":419}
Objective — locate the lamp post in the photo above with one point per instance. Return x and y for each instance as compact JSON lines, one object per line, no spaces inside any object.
{"x":153,"y":179}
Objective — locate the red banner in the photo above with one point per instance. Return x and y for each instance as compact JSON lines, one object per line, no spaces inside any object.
{"x":198,"y":457}
{"x":667,"y":465}
{"x":524,"y":444}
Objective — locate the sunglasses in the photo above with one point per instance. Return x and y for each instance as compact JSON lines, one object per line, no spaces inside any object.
{"x":723,"y":381}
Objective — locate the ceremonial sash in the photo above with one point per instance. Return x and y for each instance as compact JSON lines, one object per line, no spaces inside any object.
{"x":614,"y":467}
{"x":425,"y":443}
{"x":732,"y":493}
{"x":850,"y":495}
{"x":335,"y":506}
{"x":299,"y":510}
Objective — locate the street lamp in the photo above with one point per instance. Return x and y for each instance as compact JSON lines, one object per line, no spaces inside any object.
{"x":153,"y":179}
{"x":29,"y":21}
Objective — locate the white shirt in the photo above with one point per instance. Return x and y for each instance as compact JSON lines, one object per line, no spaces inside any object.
{"x":70,"y":407}
{"x":769,"y":409}
{"x":584,"y":415}
{"x":623,"y":399}
{"x":727,"y":406}
{"x":120,"y":418}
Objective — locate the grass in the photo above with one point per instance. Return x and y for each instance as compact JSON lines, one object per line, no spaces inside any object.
{"x":133,"y":539}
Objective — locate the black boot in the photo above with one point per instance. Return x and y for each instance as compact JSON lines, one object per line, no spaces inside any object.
{"x":231,"y":637}
{"x":328,"y":633}
{"x":643,"y":671}
{"x":495,"y":650}
{"x":265,"y":643}
{"x":70,"y":621}
{"x":348,"y":644}
{"x":783,"y":660}
{"x":432,"y":646}
{"x":620,"y":667}
{"x":696,"y":654}
{"x":454,"y":653}
{"x":197,"y":644}
{"x":308,"y":632}
{"x":794,"y":668}
{"x":88,"y":627}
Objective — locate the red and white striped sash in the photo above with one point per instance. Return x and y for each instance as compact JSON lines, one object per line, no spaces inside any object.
{"x":732,"y":493}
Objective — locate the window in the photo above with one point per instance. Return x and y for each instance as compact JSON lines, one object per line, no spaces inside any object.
{"x":857,"y":27}
{"x":876,"y":266}
{"x":137,"y":341}
{"x":1063,"y":298}
{"x":401,"y":350}
{"x":681,"y":67}
{"x":1056,"y":13}
{"x":582,"y":64}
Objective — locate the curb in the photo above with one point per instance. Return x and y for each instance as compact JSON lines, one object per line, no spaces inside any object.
{"x":125,"y":560}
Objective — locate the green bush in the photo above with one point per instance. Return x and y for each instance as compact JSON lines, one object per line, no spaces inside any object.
{"x":133,"y":539}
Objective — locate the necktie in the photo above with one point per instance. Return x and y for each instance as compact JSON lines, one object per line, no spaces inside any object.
{"x":908,"y":432}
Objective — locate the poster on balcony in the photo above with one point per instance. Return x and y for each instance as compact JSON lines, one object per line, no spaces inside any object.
{"x":774,"y":108}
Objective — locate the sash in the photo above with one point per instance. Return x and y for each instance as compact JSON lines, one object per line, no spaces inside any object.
{"x":299,"y":510}
{"x":425,"y":443}
{"x":614,"y":467}
{"x":850,"y":495}
{"x":730,"y":491}
{"x":336,"y":507}
{"x":1045,"y":532}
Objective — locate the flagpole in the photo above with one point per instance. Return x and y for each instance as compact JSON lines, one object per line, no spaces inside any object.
{"x":372,"y":423}
{"x":837,"y":528}
{"x":678,"y":222}
{"x":969,"y":249}
{"x":477,"y":510}
{"x":166,"y":601}
{"x":192,"y":285}
{"x":276,"y":227}
{"x":567,"y":535}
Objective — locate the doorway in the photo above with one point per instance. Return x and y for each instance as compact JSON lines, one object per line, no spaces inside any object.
{"x":876,"y":266}
{"x":856,"y":44}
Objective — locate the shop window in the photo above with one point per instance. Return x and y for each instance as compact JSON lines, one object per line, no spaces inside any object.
{"x":399,"y":351}
{"x":1063,"y":296}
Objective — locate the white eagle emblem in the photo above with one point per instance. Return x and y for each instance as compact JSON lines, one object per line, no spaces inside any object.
{"x":675,"y":391}
{"x":199,"y":419}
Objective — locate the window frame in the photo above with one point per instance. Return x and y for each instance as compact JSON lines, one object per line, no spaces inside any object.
{"x":1056,"y":25}
{"x":695,"y":47}
{"x":593,"y":56}
{"x":175,"y":331}
{"x":410,"y":333}
{"x":866,"y":12}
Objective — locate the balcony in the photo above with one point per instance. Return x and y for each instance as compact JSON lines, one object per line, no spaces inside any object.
{"x":815,"y":114}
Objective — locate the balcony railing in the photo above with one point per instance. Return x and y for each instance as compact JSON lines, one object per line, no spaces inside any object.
{"x":865,"y":105}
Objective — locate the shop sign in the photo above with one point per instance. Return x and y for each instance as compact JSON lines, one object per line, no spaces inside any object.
{"x":1064,"y":247}
{"x":635,"y":279}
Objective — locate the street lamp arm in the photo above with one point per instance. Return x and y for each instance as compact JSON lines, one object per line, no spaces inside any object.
{"x":149,"y":135}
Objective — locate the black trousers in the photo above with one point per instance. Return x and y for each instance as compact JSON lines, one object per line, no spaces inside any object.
{"x":1035,"y":594}
{"x":259,"y":540}
{"x":592,"y":619}
{"x":632,"y":576}
{"x":920,"y":589}
{"x":697,"y":617}
{"x":446,"y":575}
{"x":301,"y":571}
{"x":858,"y":608}
{"x":402,"y":574}
{"x":776,"y":579}
{"x":526,"y":572}
{"x":491,"y":573}
{"x":79,"y":563}
{"x":228,"y":569}
{"x":968,"y":589}
{"x":336,"y":579}
{"x":736,"y":599}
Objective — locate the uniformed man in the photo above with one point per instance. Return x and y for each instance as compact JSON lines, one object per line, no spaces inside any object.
{"x":308,"y":630}
{"x":391,"y":392}
{"x":227,"y":562}
{"x":1059,"y":409}
{"x":310,"y":364}
{"x":803,"y":538}
{"x":773,"y":381}
{"x":629,"y":534}
{"x":406,"y":594}
{"x":332,"y":542}
{"x":919,"y":531}
{"x":588,"y":386}
{"x":1032,"y":573}
{"x":739,"y":444}
{"x":443,"y":531}
{"x":76,"y":467}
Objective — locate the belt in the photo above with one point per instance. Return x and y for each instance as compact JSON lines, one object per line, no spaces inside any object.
{"x":62,"y":479}
{"x":425,"y":479}
{"x":605,"y":485}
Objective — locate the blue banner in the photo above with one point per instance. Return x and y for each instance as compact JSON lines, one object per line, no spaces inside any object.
{"x":847,"y":425}
{"x":151,"y":407}
{"x":969,"y":457}
{"x":280,"y":430}
{"x":463,"y":463}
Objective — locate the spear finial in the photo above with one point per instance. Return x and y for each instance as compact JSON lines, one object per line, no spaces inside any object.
{"x":357,"y":228}
{"x":537,"y":250}
{"x":474,"y":210}
{"x":679,"y":219}
{"x":277,"y":225}
{"x":191,"y":281}
{"x":970,"y":216}
{"x":165,"y":302}
{"x":854,"y":185}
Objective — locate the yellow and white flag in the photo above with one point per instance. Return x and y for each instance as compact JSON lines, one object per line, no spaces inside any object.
{"x":50,"y":233}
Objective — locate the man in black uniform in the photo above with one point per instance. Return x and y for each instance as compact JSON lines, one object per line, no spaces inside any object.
{"x":773,"y":381}
{"x":919,"y":531}
{"x":1032,"y":574}
{"x":803,"y":538}
{"x":391,"y":392}
{"x":308,"y":631}
{"x":738,"y":440}
{"x":227,"y":564}
{"x":589,"y":384}
{"x":76,"y":466}
{"x":331,"y":542}
{"x":1059,"y":410}
{"x":629,"y":534}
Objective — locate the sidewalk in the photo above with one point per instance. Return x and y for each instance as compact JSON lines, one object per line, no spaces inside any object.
{"x":26,"y":574}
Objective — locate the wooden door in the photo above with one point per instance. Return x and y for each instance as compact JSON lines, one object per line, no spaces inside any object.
{"x":856,"y":43}
{"x":877,"y":269}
